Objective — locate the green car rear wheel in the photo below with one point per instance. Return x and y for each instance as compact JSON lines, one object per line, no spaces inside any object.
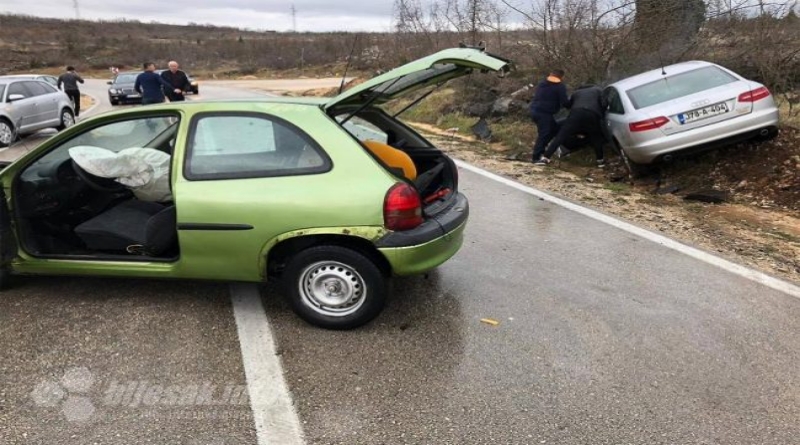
{"x":335,"y":287}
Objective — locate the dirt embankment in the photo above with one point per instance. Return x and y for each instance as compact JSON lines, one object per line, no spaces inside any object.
{"x":758,"y":227}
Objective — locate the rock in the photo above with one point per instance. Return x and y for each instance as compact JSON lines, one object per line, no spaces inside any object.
{"x":712,"y":196}
{"x":505,"y":105}
{"x":481,"y":130}
{"x":519,"y":156}
{"x":478,"y":109}
{"x":500,"y":106}
{"x":667,"y":189}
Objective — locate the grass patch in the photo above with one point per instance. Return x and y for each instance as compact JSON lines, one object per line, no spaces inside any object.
{"x":618,"y":187}
{"x":790,"y":113}
{"x":785,"y":236}
{"x":695,"y":207}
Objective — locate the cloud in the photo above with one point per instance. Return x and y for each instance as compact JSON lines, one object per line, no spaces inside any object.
{"x":311,"y":15}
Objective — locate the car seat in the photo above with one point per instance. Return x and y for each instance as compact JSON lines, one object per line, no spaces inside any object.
{"x":395,"y":159}
{"x":138,"y":227}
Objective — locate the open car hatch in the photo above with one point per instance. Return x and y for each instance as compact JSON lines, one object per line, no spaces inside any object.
{"x":431,"y":70}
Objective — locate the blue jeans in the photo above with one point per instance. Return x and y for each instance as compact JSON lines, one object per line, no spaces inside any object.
{"x":547,"y":128}
{"x":152,"y":100}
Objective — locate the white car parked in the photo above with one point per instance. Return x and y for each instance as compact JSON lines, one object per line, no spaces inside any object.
{"x":687,"y":106}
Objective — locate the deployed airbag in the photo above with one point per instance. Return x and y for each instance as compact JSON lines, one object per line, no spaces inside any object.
{"x":143,"y":170}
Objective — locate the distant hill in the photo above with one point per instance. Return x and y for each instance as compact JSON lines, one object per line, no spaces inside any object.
{"x":31,"y":43}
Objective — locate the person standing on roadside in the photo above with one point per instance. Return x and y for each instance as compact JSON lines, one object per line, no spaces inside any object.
{"x":69,"y":83}
{"x":178,"y":79}
{"x":150,"y":84}
{"x":550,"y":97}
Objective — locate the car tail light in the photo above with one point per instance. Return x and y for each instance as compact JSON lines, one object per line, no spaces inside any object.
{"x":754,"y":95}
{"x":649,"y":124}
{"x":402,"y":208}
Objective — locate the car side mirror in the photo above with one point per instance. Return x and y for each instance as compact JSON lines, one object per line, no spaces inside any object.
{"x":15,"y":97}
{"x":109,"y":82}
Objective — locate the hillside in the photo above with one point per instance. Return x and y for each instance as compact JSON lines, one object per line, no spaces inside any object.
{"x":31,"y":43}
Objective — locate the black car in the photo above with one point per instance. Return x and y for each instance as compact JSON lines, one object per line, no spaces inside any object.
{"x":121,"y":90}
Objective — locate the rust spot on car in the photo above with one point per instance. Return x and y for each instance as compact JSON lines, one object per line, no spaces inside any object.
{"x":346,"y":231}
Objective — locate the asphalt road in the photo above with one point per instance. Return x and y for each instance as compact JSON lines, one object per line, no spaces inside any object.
{"x":603,"y":337}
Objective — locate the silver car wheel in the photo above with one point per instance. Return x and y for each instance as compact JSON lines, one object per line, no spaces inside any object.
{"x":6,"y":133}
{"x":67,"y":119}
{"x":332,"y":288}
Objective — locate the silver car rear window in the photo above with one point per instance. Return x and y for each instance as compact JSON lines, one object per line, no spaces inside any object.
{"x":679,"y":85}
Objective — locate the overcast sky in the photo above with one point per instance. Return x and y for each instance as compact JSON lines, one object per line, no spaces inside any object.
{"x":312,"y":15}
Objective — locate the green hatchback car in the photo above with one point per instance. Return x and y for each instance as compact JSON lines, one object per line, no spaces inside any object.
{"x":332,"y":196}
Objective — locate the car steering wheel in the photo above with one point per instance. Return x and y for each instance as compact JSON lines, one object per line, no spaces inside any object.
{"x":96,"y":182}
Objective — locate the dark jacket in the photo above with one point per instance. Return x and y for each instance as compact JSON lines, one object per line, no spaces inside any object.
{"x":588,"y":97}
{"x":178,"y":79}
{"x":70,"y":81}
{"x":149,"y":84}
{"x":549,"y":97}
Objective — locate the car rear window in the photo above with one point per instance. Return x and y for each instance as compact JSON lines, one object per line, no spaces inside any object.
{"x":678,"y":85}
{"x":2,"y":90}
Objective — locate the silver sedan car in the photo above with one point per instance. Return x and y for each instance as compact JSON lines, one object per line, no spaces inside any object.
{"x":28,"y":105}
{"x":687,"y":106}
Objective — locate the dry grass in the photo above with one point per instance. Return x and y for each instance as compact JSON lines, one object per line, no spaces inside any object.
{"x":790,"y":111}
{"x":86,"y":102}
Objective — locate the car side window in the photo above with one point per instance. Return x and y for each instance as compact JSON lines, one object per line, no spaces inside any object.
{"x":36,"y":88}
{"x":18,"y":88}
{"x":155,"y":131}
{"x":614,"y":101}
{"x":249,"y":145}
{"x":49,"y":89}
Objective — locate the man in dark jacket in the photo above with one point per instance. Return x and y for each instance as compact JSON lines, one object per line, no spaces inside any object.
{"x":550,"y":97}
{"x":178,"y":79}
{"x":586,"y":109}
{"x":149,"y":84}
{"x":69,"y":83}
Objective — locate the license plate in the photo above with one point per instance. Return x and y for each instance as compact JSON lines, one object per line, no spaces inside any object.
{"x":133,"y":95}
{"x":703,"y":113}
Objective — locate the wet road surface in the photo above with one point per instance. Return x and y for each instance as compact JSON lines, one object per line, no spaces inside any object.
{"x":89,"y":361}
{"x":603,"y":338}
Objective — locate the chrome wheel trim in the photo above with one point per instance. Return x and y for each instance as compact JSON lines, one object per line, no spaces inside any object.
{"x":67,"y":119}
{"x":331,"y":288}
{"x":6,"y":133}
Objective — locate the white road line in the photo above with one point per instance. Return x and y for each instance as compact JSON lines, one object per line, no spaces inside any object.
{"x":275,"y":417}
{"x":742,"y":271}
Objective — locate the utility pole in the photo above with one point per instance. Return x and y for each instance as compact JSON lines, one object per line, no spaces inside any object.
{"x":77,"y":9}
{"x":294,"y":18}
